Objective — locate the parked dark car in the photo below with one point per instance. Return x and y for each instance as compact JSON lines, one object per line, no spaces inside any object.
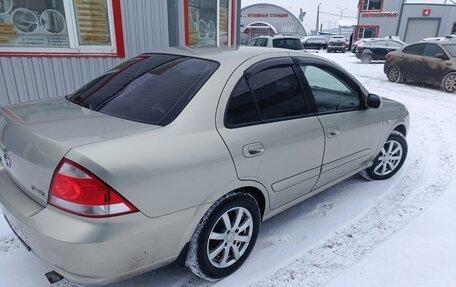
{"x":337,"y":43}
{"x":425,"y":62}
{"x":315,"y":42}
{"x":368,"y":51}
{"x":355,"y":45}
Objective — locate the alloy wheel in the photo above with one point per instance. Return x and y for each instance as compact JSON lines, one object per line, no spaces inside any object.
{"x":394,"y":74}
{"x":450,"y":83}
{"x":390,"y":158}
{"x":230,"y":237}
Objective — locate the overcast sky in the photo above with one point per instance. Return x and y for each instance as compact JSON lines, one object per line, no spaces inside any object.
{"x":328,"y":6}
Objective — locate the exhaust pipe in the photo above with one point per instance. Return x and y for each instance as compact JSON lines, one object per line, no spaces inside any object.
{"x":53,"y":277}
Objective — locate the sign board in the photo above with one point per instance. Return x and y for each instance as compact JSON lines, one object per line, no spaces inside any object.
{"x":426,"y":12}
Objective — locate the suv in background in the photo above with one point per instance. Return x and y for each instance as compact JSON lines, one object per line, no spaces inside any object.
{"x":377,"y":49}
{"x":431,"y":63}
{"x":284,"y":42}
{"x":337,"y":43}
{"x":315,"y":42}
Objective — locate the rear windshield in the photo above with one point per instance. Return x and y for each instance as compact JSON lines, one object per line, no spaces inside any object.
{"x":151,"y":89}
{"x":451,"y":48}
{"x":288,"y":43}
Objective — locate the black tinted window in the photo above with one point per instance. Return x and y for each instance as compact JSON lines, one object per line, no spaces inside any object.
{"x":291,"y":44}
{"x":278,"y":93}
{"x":414,"y":49}
{"x":252,"y":42}
{"x":241,"y":107}
{"x":262,"y":42}
{"x":432,"y":50}
{"x":150,"y":89}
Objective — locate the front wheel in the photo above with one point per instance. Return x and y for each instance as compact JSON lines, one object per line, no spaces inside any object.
{"x":225,"y":236}
{"x":449,"y":83}
{"x":390,"y":159}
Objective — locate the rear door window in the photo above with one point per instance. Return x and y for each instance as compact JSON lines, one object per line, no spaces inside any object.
{"x":241,"y":108}
{"x":416,"y":49}
{"x":287,"y":43}
{"x":278,"y":93}
{"x":151,"y":89}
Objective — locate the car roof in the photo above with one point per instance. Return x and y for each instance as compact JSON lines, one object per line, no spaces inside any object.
{"x":232,"y":56}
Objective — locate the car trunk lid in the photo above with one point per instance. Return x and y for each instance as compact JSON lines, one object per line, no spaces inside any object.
{"x":34,"y":137}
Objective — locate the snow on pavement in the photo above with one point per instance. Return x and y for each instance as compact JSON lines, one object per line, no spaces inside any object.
{"x":356,"y":233}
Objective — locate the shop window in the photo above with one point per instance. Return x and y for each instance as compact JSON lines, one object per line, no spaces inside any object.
{"x":367,"y":32}
{"x":57,"y":26}
{"x":209,"y":23}
{"x":372,"y":5}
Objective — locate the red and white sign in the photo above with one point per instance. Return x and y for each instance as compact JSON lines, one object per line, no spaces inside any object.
{"x":426,"y":12}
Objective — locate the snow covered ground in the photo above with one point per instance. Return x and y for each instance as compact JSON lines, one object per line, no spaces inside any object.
{"x":400,"y":232}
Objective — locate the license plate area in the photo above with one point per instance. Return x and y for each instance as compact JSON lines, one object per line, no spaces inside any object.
{"x":19,"y":235}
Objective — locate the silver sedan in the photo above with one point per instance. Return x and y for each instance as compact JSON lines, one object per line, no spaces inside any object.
{"x":174,"y":155}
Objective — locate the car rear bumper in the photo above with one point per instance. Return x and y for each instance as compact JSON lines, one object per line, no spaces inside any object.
{"x":340,"y":48}
{"x":94,"y":251}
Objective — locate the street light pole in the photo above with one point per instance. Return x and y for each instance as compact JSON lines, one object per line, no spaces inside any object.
{"x":317,"y":27}
{"x":342,"y":12}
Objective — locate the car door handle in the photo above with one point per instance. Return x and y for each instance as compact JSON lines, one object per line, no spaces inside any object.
{"x":252,"y":150}
{"x":332,"y":132}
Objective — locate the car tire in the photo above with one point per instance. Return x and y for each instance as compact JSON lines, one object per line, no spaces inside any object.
{"x":390,"y":159}
{"x":449,"y":83}
{"x":394,"y":74}
{"x":224,"y":237}
{"x":366,"y":59}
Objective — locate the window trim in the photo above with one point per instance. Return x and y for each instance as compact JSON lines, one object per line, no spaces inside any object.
{"x":361,"y":7}
{"x":116,"y":50}
{"x":358,"y":30}
{"x":340,"y":74}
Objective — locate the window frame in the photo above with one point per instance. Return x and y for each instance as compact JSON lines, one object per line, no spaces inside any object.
{"x":116,"y":50}
{"x":231,"y":25}
{"x":358,"y":30}
{"x":361,"y":7}
{"x":257,"y":68}
{"x":340,"y":75}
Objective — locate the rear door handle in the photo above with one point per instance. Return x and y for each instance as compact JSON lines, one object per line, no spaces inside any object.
{"x":332,"y":132}
{"x":253,"y":150}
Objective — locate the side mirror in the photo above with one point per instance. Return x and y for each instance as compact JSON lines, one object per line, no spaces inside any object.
{"x":373,"y":101}
{"x":441,"y":56}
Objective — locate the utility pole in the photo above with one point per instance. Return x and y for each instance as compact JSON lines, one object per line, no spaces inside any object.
{"x":318,"y":19}
{"x":342,"y":12}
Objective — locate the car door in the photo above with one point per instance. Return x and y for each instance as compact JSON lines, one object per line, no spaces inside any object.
{"x":269,"y":129}
{"x":433,"y":69}
{"x":409,"y":62}
{"x":351,"y":130}
{"x":380,"y":49}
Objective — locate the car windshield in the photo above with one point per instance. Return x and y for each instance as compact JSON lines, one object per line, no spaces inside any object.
{"x":288,"y":43}
{"x":152,"y":88}
{"x":451,"y":48}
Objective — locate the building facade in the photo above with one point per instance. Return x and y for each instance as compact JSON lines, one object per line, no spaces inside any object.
{"x":410,"y":21}
{"x":269,"y":19}
{"x":50,"y":48}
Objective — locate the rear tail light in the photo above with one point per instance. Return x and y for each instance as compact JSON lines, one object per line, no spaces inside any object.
{"x":78,"y":191}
